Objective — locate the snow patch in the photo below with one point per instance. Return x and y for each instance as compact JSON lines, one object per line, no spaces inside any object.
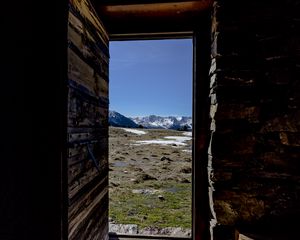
{"x":161,"y":142}
{"x":169,"y":140}
{"x":138,"y":132}
{"x":179,"y":138}
{"x":187,"y":150}
{"x":187,"y":133}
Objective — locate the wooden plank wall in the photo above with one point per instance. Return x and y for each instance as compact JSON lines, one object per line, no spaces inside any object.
{"x":88,"y":59}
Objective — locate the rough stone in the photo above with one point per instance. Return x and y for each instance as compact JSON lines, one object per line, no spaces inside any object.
{"x":238,"y":111}
{"x":255,"y":142}
{"x":169,"y":231}
{"x":123,"y":228}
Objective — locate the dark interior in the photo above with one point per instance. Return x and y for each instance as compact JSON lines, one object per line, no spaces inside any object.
{"x":246,"y":114}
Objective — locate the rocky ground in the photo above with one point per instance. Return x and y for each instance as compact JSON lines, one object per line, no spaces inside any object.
{"x":150,"y":181}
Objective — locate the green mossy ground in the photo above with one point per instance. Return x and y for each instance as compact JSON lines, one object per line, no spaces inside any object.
{"x":148,"y":209}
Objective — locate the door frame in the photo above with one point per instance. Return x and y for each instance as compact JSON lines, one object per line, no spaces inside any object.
{"x":201,"y":122}
{"x":201,"y":125}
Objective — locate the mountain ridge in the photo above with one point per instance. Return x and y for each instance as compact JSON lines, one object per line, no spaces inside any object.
{"x":118,"y":120}
{"x":151,"y":121}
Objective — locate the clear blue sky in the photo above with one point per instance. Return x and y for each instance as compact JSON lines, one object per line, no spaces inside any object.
{"x":151,"y":77}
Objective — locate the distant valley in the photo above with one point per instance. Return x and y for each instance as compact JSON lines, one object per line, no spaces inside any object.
{"x":150,"y":122}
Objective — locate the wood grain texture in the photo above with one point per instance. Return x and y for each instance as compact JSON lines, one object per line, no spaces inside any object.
{"x":87,"y":120}
{"x":148,"y":17}
{"x":86,"y":111}
{"x":85,"y":208}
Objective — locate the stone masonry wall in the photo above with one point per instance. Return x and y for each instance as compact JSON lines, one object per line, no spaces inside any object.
{"x":255,"y":88}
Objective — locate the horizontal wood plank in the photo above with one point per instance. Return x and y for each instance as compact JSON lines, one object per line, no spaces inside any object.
{"x":87,"y":136}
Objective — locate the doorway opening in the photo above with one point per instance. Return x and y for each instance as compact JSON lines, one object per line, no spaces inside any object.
{"x":150,"y":137}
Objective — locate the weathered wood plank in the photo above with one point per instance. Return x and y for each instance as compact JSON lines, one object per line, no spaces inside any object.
{"x":84,"y":169}
{"x":80,"y":72}
{"x":87,"y":123}
{"x":86,"y":10}
{"x":86,"y":111}
{"x":83,"y":74}
{"x":89,"y":36}
{"x":94,"y":204}
{"x":74,"y":36}
{"x":99,"y":131}
{"x":85,"y":200}
{"x":76,"y":23}
{"x":76,"y":225}
{"x":80,"y":156}
{"x":87,"y":134}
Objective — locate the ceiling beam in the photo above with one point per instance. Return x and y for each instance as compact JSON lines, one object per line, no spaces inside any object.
{"x":136,"y":17}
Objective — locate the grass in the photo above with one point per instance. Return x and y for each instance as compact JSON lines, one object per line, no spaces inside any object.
{"x":147,"y":210}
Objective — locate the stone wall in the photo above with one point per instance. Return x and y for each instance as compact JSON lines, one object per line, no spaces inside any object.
{"x":255,"y":92}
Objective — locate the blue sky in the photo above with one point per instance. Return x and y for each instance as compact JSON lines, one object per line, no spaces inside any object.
{"x":151,"y":77}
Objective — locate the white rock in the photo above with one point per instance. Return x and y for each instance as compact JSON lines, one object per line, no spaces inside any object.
{"x":123,"y":228}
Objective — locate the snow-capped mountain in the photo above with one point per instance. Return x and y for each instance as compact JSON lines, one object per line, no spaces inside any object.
{"x":118,"y":120}
{"x":153,"y":121}
{"x":178,"y":123}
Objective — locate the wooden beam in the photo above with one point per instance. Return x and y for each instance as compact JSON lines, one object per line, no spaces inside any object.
{"x":131,"y":17}
{"x":130,"y":2}
{"x":154,"y":9}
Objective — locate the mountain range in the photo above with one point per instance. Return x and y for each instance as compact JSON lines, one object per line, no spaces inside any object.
{"x":118,"y":120}
{"x":156,"y":122}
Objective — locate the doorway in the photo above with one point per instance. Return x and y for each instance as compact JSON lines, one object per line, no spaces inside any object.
{"x":150,"y":137}
{"x":85,"y":173}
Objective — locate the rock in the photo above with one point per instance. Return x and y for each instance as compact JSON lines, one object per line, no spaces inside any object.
{"x":165,"y":153}
{"x":227,"y":214}
{"x":166,"y":159}
{"x":123,"y":228}
{"x":136,"y":181}
{"x":114,"y":184}
{"x":184,"y":180}
{"x":179,"y":231}
{"x":161,"y":197}
{"x":169,"y":231}
{"x":186,"y":169}
{"x":243,"y":237}
{"x":145,"y":177}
